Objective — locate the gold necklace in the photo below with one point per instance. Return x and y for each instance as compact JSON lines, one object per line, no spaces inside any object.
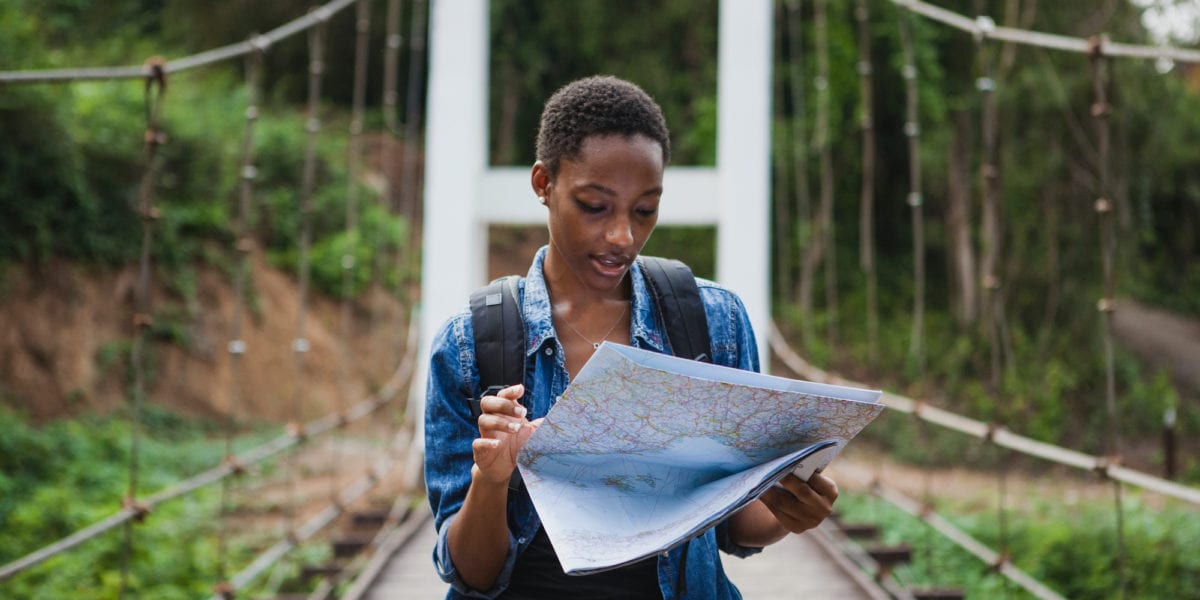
{"x":596,"y":345}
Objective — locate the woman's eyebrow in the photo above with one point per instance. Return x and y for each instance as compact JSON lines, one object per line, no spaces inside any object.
{"x":654,"y":191}
{"x":599,"y":188}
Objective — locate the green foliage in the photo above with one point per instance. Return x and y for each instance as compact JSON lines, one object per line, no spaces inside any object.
{"x":61,"y":477}
{"x":75,"y":215}
{"x":280,"y":155}
{"x":1051,"y":385}
{"x":694,"y":245}
{"x":371,"y":247}
{"x":1070,"y":548}
{"x":669,"y":48}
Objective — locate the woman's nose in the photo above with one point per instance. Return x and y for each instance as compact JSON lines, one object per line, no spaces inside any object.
{"x":619,"y":232}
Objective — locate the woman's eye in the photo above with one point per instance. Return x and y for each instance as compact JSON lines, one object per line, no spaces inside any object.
{"x":588,"y":208}
{"x":647,"y":212}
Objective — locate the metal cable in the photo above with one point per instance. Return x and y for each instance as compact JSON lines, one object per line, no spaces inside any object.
{"x":243,"y":246}
{"x":1020,"y":36}
{"x":362,"y":26}
{"x":1000,"y":436}
{"x":1047,"y":40}
{"x":417,"y":27}
{"x":1003,"y":555}
{"x":301,"y":344}
{"x":347,"y":495}
{"x":997,"y":561}
{"x":155,"y":89}
{"x":912,"y":129}
{"x":250,"y":457}
{"x":385,"y":541}
{"x":134,"y":509}
{"x":989,"y":175}
{"x":988,"y":182}
{"x":208,"y":57}
{"x":1101,"y":110}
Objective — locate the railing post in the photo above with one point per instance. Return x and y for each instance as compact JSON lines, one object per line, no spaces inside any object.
{"x":1101,"y":110}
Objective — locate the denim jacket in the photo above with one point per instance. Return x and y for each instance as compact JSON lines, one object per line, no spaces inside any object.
{"x":449,"y":429}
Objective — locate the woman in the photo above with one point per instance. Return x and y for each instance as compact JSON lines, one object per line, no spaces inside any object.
{"x":601,"y":149}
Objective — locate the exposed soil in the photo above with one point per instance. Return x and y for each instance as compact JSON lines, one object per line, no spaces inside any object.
{"x":65,"y":333}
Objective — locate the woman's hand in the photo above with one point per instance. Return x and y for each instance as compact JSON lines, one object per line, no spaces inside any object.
{"x":478,"y":538}
{"x":503,"y":430}
{"x":793,"y":506}
{"x":799,"y":505}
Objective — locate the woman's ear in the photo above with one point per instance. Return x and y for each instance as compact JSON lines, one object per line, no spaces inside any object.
{"x":540,"y":179}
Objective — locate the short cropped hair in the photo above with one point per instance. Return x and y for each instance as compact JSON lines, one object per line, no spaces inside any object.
{"x":597,"y":105}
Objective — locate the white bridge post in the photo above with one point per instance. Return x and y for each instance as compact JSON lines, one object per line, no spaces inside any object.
{"x":463,"y":195}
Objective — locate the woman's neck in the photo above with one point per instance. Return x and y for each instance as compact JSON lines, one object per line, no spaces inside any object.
{"x":565,"y":287}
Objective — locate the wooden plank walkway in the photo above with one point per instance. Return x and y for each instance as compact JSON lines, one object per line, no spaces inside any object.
{"x":798,"y":567}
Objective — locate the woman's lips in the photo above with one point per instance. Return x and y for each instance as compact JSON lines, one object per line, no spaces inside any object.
{"x":610,"y":266}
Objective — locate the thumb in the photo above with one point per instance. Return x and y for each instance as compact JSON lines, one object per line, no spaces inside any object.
{"x":527,"y":431}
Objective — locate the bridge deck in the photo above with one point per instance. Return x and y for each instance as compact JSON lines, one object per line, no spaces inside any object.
{"x":798,"y":567}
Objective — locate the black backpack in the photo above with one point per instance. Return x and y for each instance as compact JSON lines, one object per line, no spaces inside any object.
{"x":500,"y":328}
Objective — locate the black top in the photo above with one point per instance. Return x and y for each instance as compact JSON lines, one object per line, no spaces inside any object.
{"x":537,"y":575}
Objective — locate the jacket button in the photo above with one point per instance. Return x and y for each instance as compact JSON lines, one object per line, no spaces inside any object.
{"x":549,"y":351}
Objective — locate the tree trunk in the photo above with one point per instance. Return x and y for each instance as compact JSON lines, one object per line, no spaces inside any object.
{"x":829,"y":241}
{"x":782,"y":194}
{"x":804,"y":225}
{"x":964,"y":299}
{"x":866,"y":213}
{"x":912,"y":129}
{"x":510,"y":101}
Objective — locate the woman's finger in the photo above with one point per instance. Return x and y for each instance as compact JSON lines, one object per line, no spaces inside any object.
{"x":824,"y":486}
{"x":491,"y":423}
{"x":501,"y":406}
{"x":505,"y":402}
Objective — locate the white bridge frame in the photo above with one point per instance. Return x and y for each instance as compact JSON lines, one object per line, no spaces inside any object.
{"x":464,"y":194}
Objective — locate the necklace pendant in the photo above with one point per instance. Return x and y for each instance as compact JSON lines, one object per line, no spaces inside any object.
{"x":595,"y":346}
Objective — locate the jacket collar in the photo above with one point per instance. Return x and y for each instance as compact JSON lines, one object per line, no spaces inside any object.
{"x":644,"y":330}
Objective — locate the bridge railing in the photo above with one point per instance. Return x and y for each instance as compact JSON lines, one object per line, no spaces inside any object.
{"x":154,"y":73}
{"x":233,"y":465}
{"x":988,"y":433}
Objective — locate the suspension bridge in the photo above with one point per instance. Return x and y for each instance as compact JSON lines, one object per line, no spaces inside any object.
{"x":382,"y":548}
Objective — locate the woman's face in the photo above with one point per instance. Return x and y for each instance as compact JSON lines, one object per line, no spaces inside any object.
{"x":603,"y":206}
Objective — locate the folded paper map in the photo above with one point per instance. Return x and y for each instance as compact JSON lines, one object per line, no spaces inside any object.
{"x":645,"y":451}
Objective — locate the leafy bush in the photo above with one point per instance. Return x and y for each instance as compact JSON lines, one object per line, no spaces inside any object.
{"x":59,"y":478}
{"x":1070,"y":548}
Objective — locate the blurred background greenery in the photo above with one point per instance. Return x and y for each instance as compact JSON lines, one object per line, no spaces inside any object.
{"x":72,"y":157}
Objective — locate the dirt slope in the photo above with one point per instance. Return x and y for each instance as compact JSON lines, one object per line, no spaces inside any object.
{"x":65,"y":333}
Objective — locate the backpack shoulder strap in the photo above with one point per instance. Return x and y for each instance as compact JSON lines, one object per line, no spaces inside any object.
{"x":499,"y":336}
{"x":674,"y":289}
